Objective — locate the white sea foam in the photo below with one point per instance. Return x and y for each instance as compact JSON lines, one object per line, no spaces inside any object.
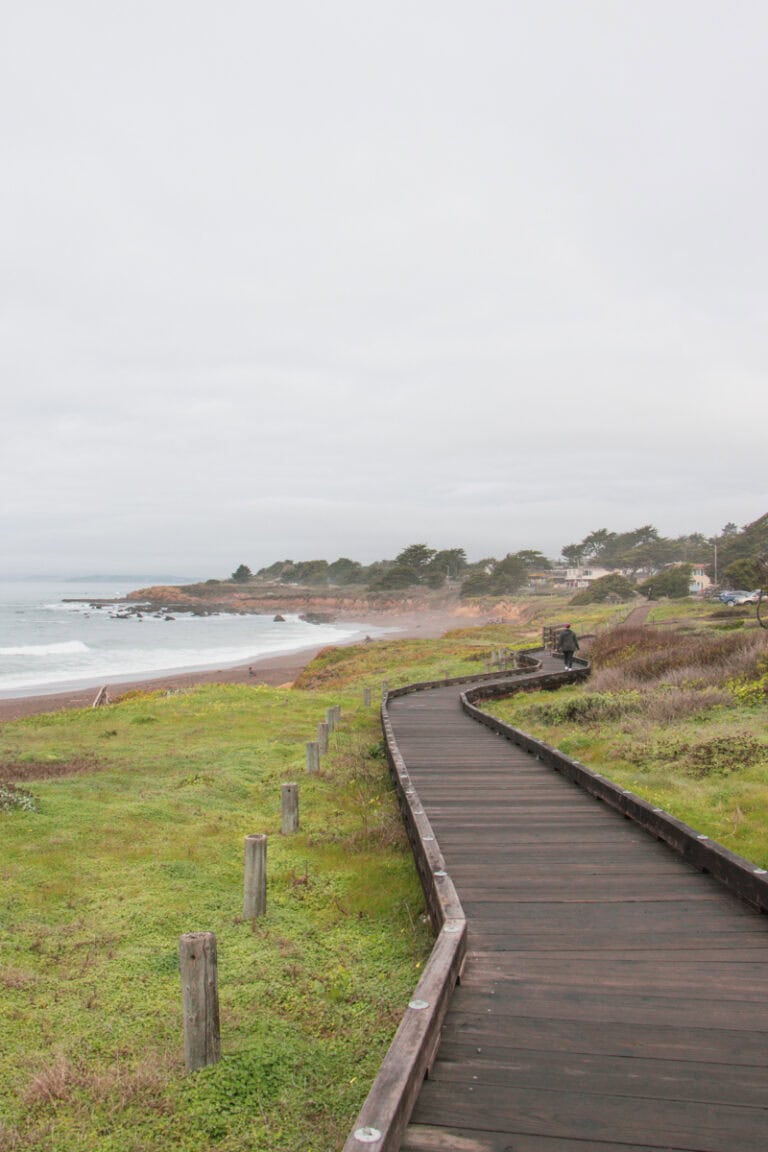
{"x":66,"y":648}
{"x":46,"y":651}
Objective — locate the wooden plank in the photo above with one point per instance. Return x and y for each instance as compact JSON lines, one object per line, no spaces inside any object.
{"x":602,"y":1004}
{"x":684,"y":1125}
{"x":426,"y":1138}
{"x":705,"y":1044}
{"x":727,"y":978}
{"x":615,"y":1076}
{"x":671,"y":958}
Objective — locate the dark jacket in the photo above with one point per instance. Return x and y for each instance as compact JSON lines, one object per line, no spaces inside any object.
{"x":567,"y":641}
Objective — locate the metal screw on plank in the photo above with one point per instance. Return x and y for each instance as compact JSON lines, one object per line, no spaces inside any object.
{"x":367,"y":1135}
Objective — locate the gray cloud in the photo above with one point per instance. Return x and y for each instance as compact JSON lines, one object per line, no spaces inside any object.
{"x":323,"y":279}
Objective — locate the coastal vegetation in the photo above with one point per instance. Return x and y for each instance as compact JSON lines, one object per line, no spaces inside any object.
{"x":122,"y":827}
{"x":637,"y":553}
{"x":131,"y":834}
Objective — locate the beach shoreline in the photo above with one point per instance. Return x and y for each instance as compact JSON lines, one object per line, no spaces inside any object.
{"x":275,"y":671}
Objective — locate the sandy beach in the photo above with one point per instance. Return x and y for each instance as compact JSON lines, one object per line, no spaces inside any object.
{"x":273,"y":670}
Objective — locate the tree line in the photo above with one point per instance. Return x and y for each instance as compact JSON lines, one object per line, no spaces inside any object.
{"x":733,"y":556}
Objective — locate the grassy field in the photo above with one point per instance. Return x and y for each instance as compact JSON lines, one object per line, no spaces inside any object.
{"x":134,"y":835}
{"x":122,"y":828}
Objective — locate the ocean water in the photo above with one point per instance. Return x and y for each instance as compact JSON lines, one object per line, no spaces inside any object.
{"x":48,"y":645}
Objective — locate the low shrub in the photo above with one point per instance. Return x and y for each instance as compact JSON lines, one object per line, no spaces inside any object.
{"x":589,"y":708}
{"x":16,"y":799}
{"x":717,"y":756}
{"x":644,"y":655}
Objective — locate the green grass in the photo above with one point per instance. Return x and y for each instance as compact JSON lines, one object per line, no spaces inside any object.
{"x":143,"y":842}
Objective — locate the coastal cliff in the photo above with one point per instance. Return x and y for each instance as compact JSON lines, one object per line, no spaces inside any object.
{"x":313,"y":603}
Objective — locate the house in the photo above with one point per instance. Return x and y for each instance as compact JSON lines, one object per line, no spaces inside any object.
{"x":700,"y":581}
{"x":579,"y":577}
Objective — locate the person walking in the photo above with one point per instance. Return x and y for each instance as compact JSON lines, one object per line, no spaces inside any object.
{"x":567,"y":643}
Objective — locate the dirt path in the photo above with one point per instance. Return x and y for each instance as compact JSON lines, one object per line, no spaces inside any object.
{"x":639,"y":615}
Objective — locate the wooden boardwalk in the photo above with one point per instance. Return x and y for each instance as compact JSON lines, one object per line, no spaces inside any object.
{"x":614,"y":999}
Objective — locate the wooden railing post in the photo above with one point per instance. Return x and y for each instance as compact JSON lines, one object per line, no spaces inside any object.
{"x":313,"y":756}
{"x":200,"y":999}
{"x":255,"y":882}
{"x":290,"y":808}
{"x":322,"y":737}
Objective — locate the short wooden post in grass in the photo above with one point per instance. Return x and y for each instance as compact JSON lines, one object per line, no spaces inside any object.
{"x":322,"y":737}
{"x":255,"y":887}
{"x":366,"y":697}
{"x":330,"y":718}
{"x":337,"y":714}
{"x":384,"y":688}
{"x":313,"y":756}
{"x":290,"y":806}
{"x":200,"y":999}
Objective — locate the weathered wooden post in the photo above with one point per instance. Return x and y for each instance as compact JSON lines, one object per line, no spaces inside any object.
{"x":330,"y":718}
{"x":313,"y":756}
{"x":255,"y":888}
{"x":384,"y":688}
{"x":366,"y":697}
{"x":322,"y":737}
{"x":200,"y":999}
{"x":337,"y":714}
{"x":290,"y":807}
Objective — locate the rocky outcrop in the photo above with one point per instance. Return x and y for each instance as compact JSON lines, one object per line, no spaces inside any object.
{"x":310,"y":603}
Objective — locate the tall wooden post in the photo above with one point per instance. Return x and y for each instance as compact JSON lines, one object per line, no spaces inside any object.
{"x":290,"y":808}
{"x":255,"y":885}
{"x":313,"y":756}
{"x":322,"y":737}
{"x":200,"y":999}
{"x":366,"y":697}
{"x":330,"y":718}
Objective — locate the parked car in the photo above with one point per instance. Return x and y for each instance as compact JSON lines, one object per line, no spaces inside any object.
{"x":739,"y":596}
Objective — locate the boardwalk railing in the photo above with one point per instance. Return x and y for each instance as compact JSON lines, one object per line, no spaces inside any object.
{"x":384,"y":1116}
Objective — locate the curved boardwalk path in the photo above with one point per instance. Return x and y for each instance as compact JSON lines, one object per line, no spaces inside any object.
{"x":614,"y":999}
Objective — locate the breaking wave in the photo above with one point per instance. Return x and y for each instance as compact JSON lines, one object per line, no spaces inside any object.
{"x":66,"y":648}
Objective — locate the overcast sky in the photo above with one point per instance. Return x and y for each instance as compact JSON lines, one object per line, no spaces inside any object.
{"x":314,"y":279}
